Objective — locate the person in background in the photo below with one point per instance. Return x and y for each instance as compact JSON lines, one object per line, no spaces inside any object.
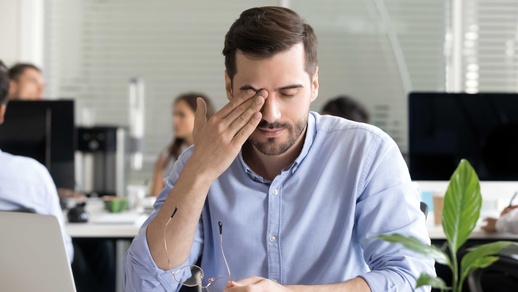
{"x":508,"y":221}
{"x":25,"y":184}
{"x":346,"y":107}
{"x":274,"y":197}
{"x":184,"y":107}
{"x":26,"y":82}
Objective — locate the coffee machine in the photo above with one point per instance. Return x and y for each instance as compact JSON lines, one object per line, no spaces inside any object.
{"x":101,"y":158}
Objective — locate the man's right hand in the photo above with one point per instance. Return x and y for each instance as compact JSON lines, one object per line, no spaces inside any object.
{"x":218,"y":141}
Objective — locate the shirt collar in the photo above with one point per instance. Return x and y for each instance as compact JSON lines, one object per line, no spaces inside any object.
{"x":308,"y":142}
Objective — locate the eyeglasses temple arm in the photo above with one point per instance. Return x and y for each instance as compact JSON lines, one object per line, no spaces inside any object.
{"x":165,"y":241}
{"x":222,"y":252}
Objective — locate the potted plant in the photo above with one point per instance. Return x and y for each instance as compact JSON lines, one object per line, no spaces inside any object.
{"x":462,"y":204}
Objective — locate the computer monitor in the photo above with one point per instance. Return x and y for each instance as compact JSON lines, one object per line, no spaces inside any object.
{"x":447,"y":127}
{"x":43,"y":130}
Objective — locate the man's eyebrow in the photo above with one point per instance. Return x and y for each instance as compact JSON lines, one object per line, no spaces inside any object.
{"x":293,"y":86}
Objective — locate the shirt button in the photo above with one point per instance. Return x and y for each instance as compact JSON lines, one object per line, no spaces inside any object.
{"x":272,"y":238}
{"x":275,"y":192}
{"x":294,"y":169}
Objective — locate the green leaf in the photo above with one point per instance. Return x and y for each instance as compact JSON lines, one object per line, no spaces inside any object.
{"x":425,"y":279}
{"x":418,"y":246}
{"x":481,"y":257}
{"x":462,"y":203}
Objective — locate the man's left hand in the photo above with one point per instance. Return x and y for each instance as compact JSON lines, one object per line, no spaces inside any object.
{"x":255,"y":284}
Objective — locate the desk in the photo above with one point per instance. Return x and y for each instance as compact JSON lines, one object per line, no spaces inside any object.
{"x":436,"y":233}
{"x":120,"y":227}
{"x":124,"y":225}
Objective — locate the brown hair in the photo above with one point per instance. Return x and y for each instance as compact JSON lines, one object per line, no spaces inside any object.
{"x":190,"y":99}
{"x":265,"y":31}
{"x":347,"y":107}
{"x":17,"y":70}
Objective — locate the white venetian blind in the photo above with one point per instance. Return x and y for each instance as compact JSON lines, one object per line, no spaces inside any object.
{"x":489,"y":46}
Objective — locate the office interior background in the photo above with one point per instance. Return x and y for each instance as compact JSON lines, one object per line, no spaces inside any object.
{"x":374,"y":50}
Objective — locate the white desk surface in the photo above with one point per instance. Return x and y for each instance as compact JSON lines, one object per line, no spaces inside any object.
{"x":125,"y":225}
{"x":437,"y":233}
{"x":103,"y":224}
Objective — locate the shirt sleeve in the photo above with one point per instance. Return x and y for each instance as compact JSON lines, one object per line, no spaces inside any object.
{"x":508,"y":222}
{"x":389,"y":203}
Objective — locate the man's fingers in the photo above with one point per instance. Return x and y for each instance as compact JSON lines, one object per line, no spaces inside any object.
{"x":242,"y":119}
{"x":200,"y":116}
{"x":235,"y":102}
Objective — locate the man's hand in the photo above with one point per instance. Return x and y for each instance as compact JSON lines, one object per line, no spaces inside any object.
{"x":218,"y":141}
{"x":490,"y":225}
{"x":255,"y":284}
{"x":259,"y":284}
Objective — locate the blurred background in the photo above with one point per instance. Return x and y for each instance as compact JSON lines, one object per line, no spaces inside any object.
{"x":97,"y":52}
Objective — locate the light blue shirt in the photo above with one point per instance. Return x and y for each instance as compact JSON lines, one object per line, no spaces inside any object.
{"x":26,"y":183}
{"x":315,"y":223}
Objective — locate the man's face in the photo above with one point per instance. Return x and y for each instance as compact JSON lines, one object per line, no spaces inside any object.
{"x":290,"y":92}
{"x":29,"y":85}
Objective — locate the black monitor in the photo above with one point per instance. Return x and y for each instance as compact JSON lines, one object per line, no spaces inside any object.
{"x":447,"y":127}
{"x":43,"y":130}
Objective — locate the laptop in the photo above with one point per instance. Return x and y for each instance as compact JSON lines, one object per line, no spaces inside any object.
{"x":32,"y":254}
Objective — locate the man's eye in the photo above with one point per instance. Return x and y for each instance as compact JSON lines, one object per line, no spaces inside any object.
{"x":288,"y":93}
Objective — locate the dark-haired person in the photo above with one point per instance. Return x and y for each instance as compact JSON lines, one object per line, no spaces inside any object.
{"x":301,"y":197}
{"x":25,"y":184}
{"x":27,"y":82}
{"x":346,"y":107}
{"x":184,"y":107}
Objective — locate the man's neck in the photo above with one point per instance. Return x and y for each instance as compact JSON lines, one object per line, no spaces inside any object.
{"x":269,"y":166}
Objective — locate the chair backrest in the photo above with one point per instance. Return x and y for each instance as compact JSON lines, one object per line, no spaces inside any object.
{"x":32,"y":254}
{"x":502,"y":275}
{"x":424,"y":208}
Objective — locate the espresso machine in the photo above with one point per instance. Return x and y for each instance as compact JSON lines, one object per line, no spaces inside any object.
{"x":101,"y":158}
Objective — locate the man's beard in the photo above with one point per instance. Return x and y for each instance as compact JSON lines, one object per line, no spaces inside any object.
{"x":272,"y":147}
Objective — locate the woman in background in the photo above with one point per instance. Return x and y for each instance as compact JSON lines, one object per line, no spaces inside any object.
{"x":184,"y":107}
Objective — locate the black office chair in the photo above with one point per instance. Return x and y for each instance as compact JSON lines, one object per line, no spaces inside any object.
{"x":424,"y":208}
{"x":501,"y":276}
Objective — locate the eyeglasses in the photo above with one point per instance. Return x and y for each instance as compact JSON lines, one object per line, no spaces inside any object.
{"x":195,"y":273}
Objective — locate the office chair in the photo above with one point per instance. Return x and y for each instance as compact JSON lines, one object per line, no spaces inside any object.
{"x":424,"y":208}
{"x":501,"y":276}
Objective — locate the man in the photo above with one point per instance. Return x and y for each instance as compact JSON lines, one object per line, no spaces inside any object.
{"x":25,"y":184}
{"x":301,"y":197}
{"x":27,"y":82}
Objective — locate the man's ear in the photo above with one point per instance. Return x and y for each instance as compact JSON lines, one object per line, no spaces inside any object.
{"x":3,"y":107}
{"x":228,"y":86}
{"x":314,"y":85}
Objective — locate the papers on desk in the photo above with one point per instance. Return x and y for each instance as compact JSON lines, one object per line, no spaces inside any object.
{"x":120,"y":218}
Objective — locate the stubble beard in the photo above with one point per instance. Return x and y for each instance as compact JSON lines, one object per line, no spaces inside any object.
{"x":272,"y":146}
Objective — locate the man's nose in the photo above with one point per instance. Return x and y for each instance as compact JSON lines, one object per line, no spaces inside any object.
{"x":271,"y":109}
